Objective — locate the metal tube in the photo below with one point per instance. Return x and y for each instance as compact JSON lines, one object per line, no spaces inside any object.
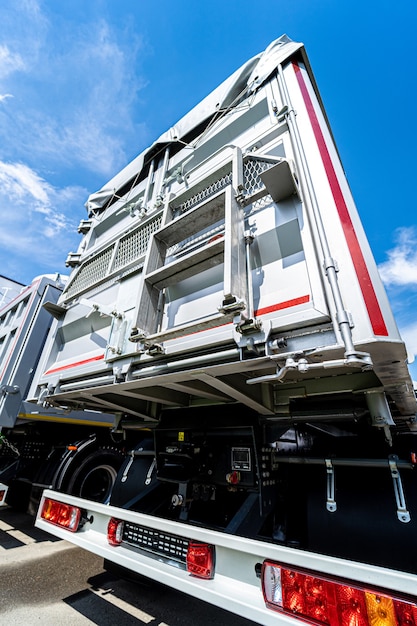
{"x":148,"y":183}
{"x":159,"y":195}
{"x":342,"y":318}
{"x":193,"y":361}
{"x":248,"y":243}
{"x":362,"y":463}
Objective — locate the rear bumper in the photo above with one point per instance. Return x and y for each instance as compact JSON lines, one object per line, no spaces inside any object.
{"x":236,"y":586}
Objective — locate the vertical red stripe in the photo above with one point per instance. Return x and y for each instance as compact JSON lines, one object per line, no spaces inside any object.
{"x":368,"y":292}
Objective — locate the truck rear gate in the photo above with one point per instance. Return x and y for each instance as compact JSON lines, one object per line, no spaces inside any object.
{"x":237,"y":258}
{"x":225,"y":305}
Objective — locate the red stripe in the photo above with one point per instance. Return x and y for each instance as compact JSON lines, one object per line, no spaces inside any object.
{"x":69,"y":365}
{"x":368,"y":292}
{"x":282,"y":305}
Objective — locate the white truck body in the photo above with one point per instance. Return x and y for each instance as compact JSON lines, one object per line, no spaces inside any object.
{"x":224,"y":302}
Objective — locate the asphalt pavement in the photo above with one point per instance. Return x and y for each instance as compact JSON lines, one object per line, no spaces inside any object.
{"x":45,"y":581}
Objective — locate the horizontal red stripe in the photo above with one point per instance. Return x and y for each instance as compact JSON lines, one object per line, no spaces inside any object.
{"x":282,"y":305}
{"x":368,"y":292}
{"x":69,"y":365}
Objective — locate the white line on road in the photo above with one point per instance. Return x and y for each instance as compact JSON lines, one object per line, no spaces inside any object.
{"x":25,"y":539}
{"x":107,"y":594}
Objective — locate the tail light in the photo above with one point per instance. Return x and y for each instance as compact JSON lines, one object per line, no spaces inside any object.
{"x":115,"y":532}
{"x":3,"y":492}
{"x":314,"y":599}
{"x":200,"y":560}
{"x":61,"y":514}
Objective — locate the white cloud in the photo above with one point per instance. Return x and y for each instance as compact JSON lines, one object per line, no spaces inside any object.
{"x":399,"y":274}
{"x":71,"y":87}
{"x":37,"y":230}
{"x":19,"y":181}
{"x":9,"y":62}
{"x":409,"y":335}
{"x":74,"y":91}
{"x":401,"y":267}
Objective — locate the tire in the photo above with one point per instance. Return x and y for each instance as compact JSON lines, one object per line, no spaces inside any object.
{"x":94,"y":477}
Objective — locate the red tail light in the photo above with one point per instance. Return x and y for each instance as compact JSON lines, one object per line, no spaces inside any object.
{"x":200,"y":560}
{"x":115,"y":532}
{"x":61,"y":514}
{"x":314,"y":599}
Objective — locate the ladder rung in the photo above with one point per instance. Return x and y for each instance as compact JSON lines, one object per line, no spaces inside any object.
{"x":188,"y":265}
{"x":217,"y":319}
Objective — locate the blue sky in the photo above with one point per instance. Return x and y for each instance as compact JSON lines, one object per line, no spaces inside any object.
{"x":87,"y":85}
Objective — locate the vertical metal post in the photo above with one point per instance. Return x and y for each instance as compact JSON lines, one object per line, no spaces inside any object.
{"x":310,"y":198}
{"x":234,"y":250}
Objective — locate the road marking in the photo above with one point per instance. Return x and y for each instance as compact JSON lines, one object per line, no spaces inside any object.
{"x":25,"y":539}
{"x":4,"y":526}
{"x":107,"y":594}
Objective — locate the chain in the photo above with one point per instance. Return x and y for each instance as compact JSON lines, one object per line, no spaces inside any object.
{"x":5,"y":442}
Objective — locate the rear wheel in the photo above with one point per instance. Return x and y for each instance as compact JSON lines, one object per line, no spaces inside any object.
{"x":94,"y":477}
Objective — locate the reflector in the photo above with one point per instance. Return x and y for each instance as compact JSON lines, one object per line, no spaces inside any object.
{"x":200,"y":560}
{"x":115,"y":531}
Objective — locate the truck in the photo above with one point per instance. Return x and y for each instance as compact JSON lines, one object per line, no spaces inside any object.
{"x":44,"y":446}
{"x":225,"y":303}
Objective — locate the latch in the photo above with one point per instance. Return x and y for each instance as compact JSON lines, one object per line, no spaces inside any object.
{"x":128,"y":466}
{"x":150,"y":472}
{"x":232,"y":304}
{"x":246,"y":326}
{"x":138,"y":453}
{"x":9,"y":389}
{"x":331,"y":505}
{"x":402,"y":512}
{"x":137,"y":335}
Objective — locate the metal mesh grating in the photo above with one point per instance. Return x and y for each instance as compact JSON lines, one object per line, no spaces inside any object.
{"x":197,"y":240}
{"x":135,"y":244}
{"x":205,"y":193}
{"x":252,"y":168}
{"x":155,"y":541}
{"x":90,"y":272}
